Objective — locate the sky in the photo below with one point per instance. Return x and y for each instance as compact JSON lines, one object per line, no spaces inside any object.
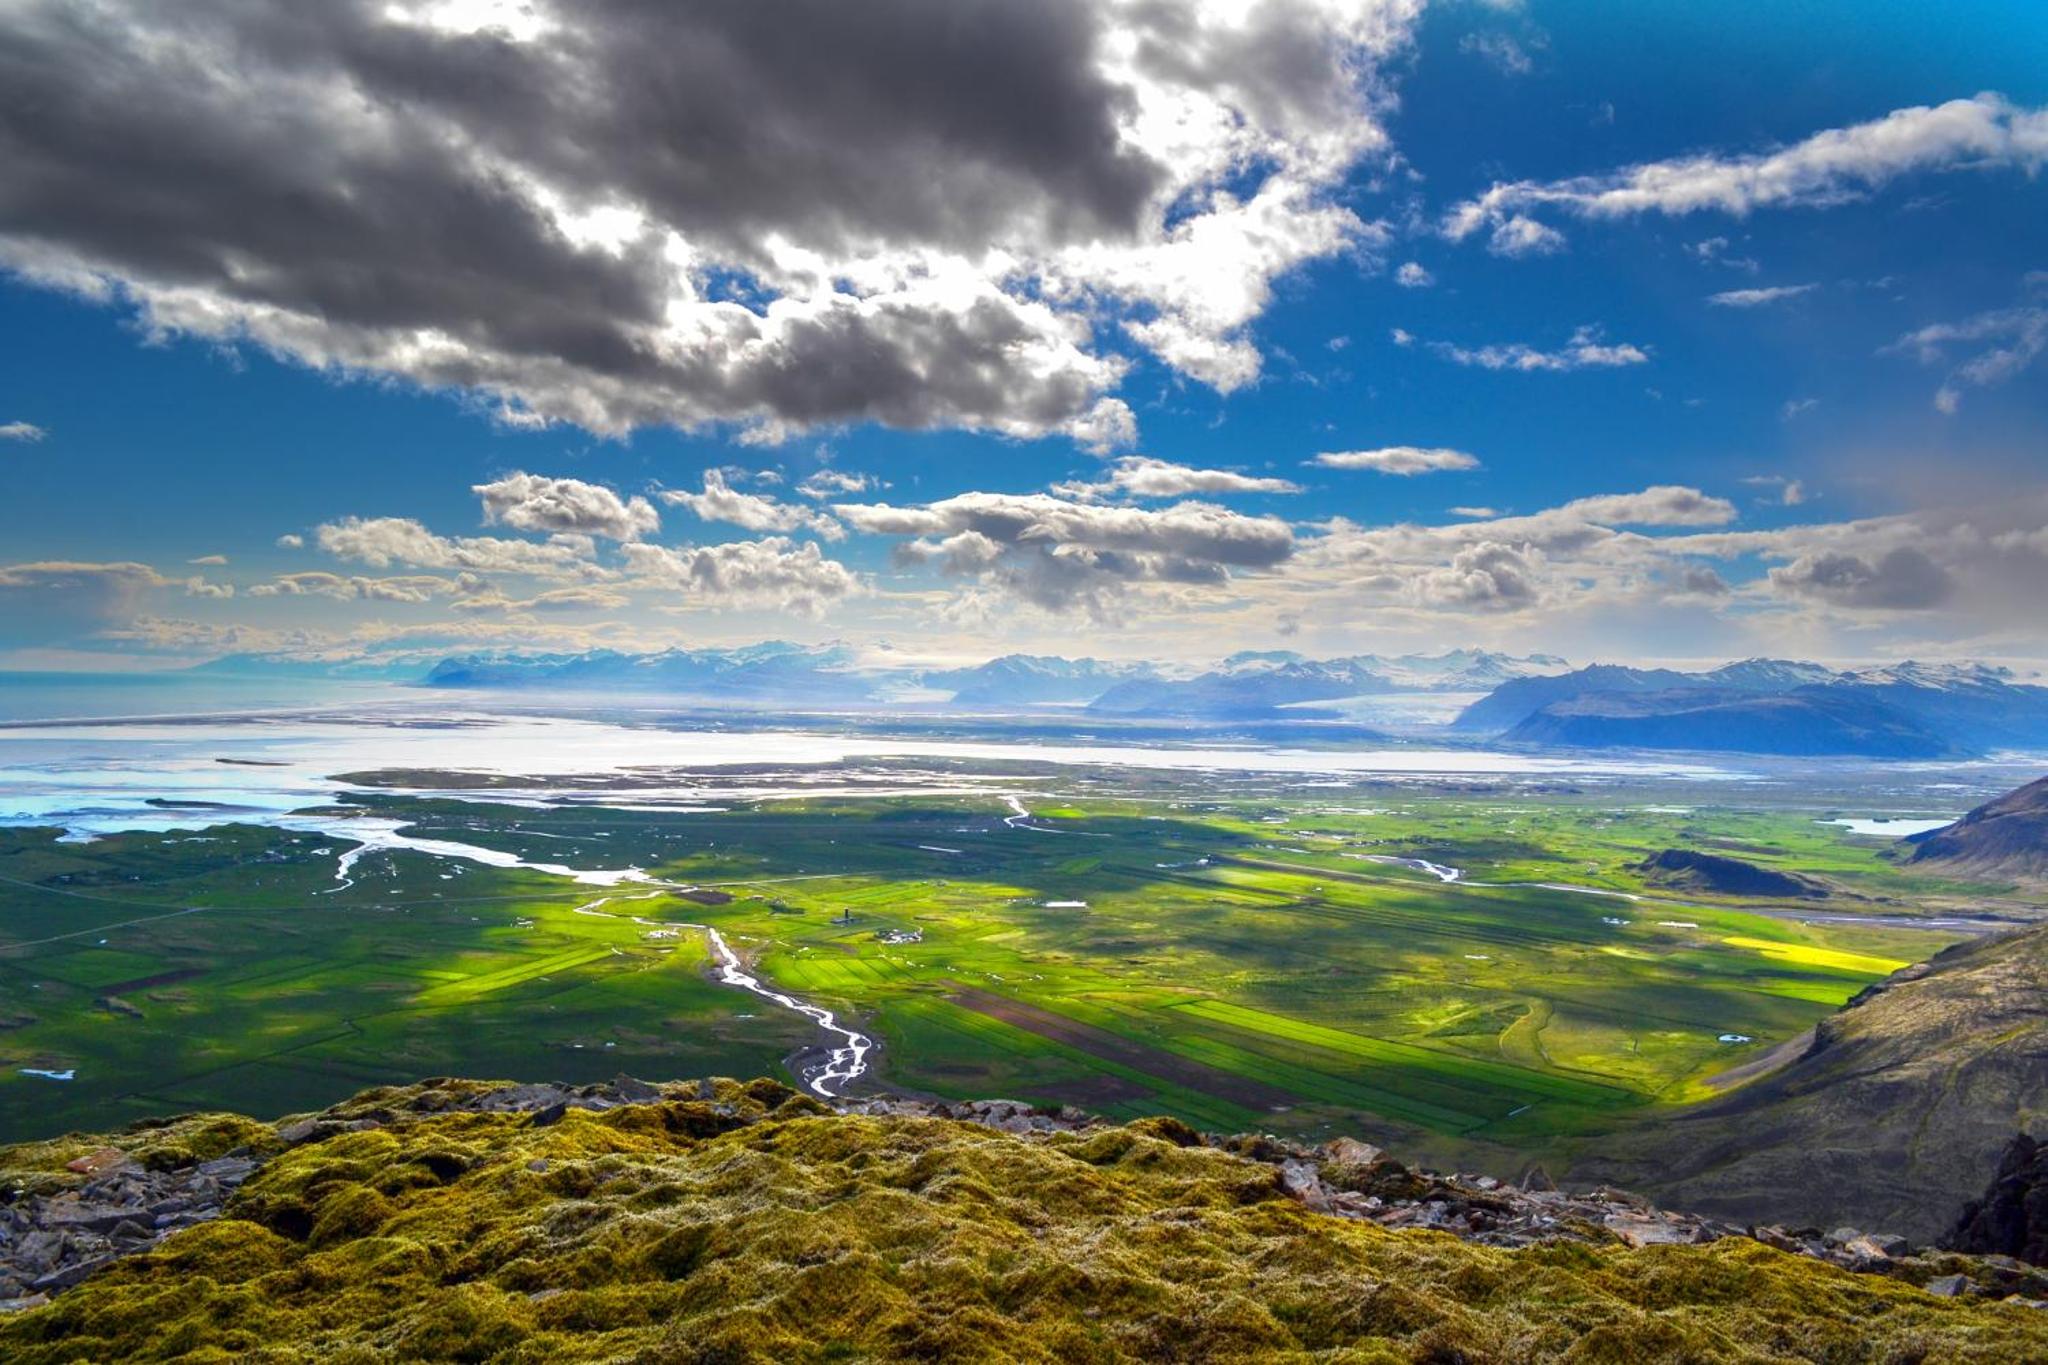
{"x":1137,"y":328}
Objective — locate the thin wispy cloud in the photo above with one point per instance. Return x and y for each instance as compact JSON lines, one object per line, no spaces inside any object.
{"x":1983,"y":351}
{"x":1585,"y":351}
{"x":1140,"y":476}
{"x":1757,"y":298}
{"x":1832,"y":167}
{"x":1405,"y":460}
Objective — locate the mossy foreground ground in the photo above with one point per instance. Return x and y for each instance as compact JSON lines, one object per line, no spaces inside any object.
{"x":761,"y":1228}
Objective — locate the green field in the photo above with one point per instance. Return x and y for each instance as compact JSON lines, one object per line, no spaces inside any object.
{"x":1240,"y":964}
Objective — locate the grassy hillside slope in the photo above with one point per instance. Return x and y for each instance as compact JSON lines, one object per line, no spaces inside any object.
{"x":1894,"y":1117}
{"x":2006,"y":838}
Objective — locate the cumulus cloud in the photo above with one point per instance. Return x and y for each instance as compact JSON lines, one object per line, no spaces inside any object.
{"x":57,"y":599}
{"x":1568,"y":557}
{"x":1140,"y":476}
{"x":411,"y":589}
{"x":1756,"y":298}
{"x":1697,"y":580}
{"x":1399,"y":459}
{"x":1058,"y":553}
{"x":1413,"y":275}
{"x":1488,"y":576}
{"x":1662,"y":505}
{"x":1584,"y":351}
{"x":291,"y":540}
{"x":720,"y":501}
{"x":22,"y":431}
{"x":773,"y":572}
{"x":1789,"y":492}
{"x":1830,"y":167}
{"x":208,"y":561}
{"x":780,"y":214}
{"x":1521,"y":236}
{"x":834,"y":483}
{"x":1190,"y":530}
{"x":1901,"y":579}
{"x":530,"y":502}
{"x":381,"y":542}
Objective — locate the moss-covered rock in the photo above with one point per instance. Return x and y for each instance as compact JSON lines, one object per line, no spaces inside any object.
{"x":745,"y":1226}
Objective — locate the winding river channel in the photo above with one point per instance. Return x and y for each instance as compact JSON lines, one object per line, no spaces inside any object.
{"x":841,"y":1064}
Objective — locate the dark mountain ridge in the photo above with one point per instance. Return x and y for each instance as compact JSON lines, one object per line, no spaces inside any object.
{"x":1766,"y":706}
{"x":2007,"y":837}
{"x":1898,"y":1110}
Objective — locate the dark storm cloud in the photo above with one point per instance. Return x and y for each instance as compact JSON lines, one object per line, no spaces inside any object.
{"x":416,"y":198}
{"x":1902,"y":579}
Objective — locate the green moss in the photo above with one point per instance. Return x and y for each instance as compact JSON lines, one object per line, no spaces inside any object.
{"x":672,"y":1233}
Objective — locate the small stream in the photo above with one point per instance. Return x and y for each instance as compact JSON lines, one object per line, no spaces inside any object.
{"x":842,"y":1065}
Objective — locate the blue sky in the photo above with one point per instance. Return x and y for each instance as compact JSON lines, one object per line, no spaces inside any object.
{"x":1810,"y":391}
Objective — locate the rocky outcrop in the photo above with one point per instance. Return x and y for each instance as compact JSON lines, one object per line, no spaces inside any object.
{"x":51,"y":1242}
{"x":2011,"y":1219}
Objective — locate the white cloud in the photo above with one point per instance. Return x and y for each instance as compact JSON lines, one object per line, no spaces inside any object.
{"x":1398,"y":459}
{"x":1502,"y":51}
{"x":773,"y":573}
{"x":1830,"y":167}
{"x":1755,"y":298}
{"x":1584,"y":351}
{"x":1412,"y":275}
{"x":209,"y":561}
{"x":22,"y":431}
{"x":531,"y":502}
{"x":553,"y":601}
{"x":291,"y":540}
{"x":1140,"y":476}
{"x":1060,"y":554}
{"x":60,"y":599}
{"x":720,"y":501}
{"x":1521,"y":236}
{"x":1790,"y":492}
{"x":1488,"y":576}
{"x":383,"y":541}
{"x":831,"y":483}
{"x":1714,"y":251}
{"x":1193,"y":530}
{"x":2001,"y":343}
{"x":1662,"y":505}
{"x":411,"y":589}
